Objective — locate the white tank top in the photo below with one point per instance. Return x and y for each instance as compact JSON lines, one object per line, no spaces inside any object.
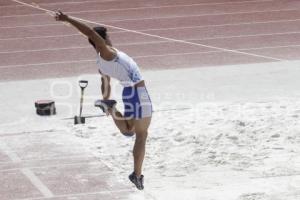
{"x":122,"y":68}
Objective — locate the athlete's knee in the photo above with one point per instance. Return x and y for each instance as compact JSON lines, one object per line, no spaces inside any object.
{"x":141,"y":136}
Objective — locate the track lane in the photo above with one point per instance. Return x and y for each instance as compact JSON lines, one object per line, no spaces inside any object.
{"x":197,"y":19}
{"x":113,"y":6}
{"x":159,"y":52}
{"x":86,"y":52}
{"x":213,"y":22}
{"x":172,"y":11}
{"x":204,"y":35}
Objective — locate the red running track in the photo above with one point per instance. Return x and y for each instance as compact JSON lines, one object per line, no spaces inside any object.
{"x":33,"y":45}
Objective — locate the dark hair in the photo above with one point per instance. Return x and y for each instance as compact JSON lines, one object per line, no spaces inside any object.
{"x":101,"y":31}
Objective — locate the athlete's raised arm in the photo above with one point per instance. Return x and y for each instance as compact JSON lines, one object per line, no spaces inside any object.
{"x":106,"y":52}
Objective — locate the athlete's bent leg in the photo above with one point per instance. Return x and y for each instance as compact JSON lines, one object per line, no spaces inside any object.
{"x":123,"y":124}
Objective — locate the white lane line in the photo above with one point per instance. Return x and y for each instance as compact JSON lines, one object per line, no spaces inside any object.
{"x":41,"y":37}
{"x":37,"y":183}
{"x":271,"y":47}
{"x":144,"y":43}
{"x":158,"y":18}
{"x":105,"y":1}
{"x":201,"y":15}
{"x":94,"y":61}
{"x":31,"y":26}
{"x":12,"y":155}
{"x":217,"y":25}
{"x":146,"y":56}
{"x":160,"y":37}
{"x":49,"y":49}
{"x":60,"y":3}
{"x":142,"y":8}
{"x":248,"y":35}
{"x":168,"y":6}
{"x":160,"y":29}
{"x":149,"y":56}
{"x":49,"y":63}
{"x":177,"y":54}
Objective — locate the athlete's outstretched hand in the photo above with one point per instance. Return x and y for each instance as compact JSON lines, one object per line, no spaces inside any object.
{"x":60,"y":16}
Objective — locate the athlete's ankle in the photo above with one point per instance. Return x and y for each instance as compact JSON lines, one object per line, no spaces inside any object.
{"x":138,"y":174}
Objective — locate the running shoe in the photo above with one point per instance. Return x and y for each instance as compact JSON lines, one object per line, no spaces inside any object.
{"x":137,"y":181}
{"x":105,"y":104}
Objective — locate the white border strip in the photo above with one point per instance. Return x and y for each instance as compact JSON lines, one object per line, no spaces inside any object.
{"x":157,"y":36}
{"x":37,"y":183}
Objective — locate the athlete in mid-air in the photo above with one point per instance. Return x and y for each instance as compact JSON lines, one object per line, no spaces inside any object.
{"x":138,"y":109}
